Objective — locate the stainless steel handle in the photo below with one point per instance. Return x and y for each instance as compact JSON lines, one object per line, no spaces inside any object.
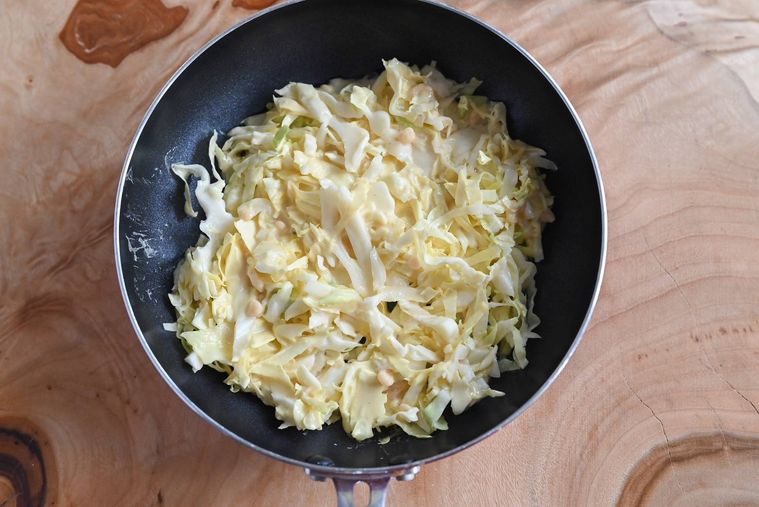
{"x":377,"y":498}
{"x":379,"y":484}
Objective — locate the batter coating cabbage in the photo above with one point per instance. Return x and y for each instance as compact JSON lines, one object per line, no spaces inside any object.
{"x":366,"y":252}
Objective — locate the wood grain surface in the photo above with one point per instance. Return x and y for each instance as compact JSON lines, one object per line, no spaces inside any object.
{"x":659,"y":406}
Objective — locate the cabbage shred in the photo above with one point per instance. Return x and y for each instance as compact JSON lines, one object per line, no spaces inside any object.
{"x":367,"y":252}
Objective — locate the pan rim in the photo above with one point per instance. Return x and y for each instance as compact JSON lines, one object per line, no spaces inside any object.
{"x":382,"y":470}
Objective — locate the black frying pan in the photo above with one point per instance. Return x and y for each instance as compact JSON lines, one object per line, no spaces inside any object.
{"x":312,"y":41}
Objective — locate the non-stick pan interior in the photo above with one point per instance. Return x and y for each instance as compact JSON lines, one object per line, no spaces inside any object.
{"x":312,"y":42}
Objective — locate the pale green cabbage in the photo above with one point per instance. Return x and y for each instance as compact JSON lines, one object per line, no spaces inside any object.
{"x":366,"y":253}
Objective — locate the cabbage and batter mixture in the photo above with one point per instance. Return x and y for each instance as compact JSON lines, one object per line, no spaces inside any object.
{"x":366,"y":252}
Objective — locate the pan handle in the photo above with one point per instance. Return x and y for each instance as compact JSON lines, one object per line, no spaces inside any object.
{"x":378,"y":488}
{"x":379,"y":485}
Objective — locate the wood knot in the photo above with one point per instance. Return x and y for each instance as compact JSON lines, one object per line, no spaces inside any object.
{"x":106,"y":31}
{"x":24,"y":478}
{"x":716,"y":468}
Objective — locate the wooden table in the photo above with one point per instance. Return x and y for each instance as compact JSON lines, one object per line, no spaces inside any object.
{"x":660,"y":405}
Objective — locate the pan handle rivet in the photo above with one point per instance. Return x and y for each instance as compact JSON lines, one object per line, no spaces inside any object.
{"x":409,"y":474}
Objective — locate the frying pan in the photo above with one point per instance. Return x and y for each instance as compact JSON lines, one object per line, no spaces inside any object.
{"x":311,"y":41}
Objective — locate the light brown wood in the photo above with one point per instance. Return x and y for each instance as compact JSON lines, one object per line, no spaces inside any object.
{"x":659,"y":406}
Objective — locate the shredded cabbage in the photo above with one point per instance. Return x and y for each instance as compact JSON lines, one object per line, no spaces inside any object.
{"x":367,"y":252}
